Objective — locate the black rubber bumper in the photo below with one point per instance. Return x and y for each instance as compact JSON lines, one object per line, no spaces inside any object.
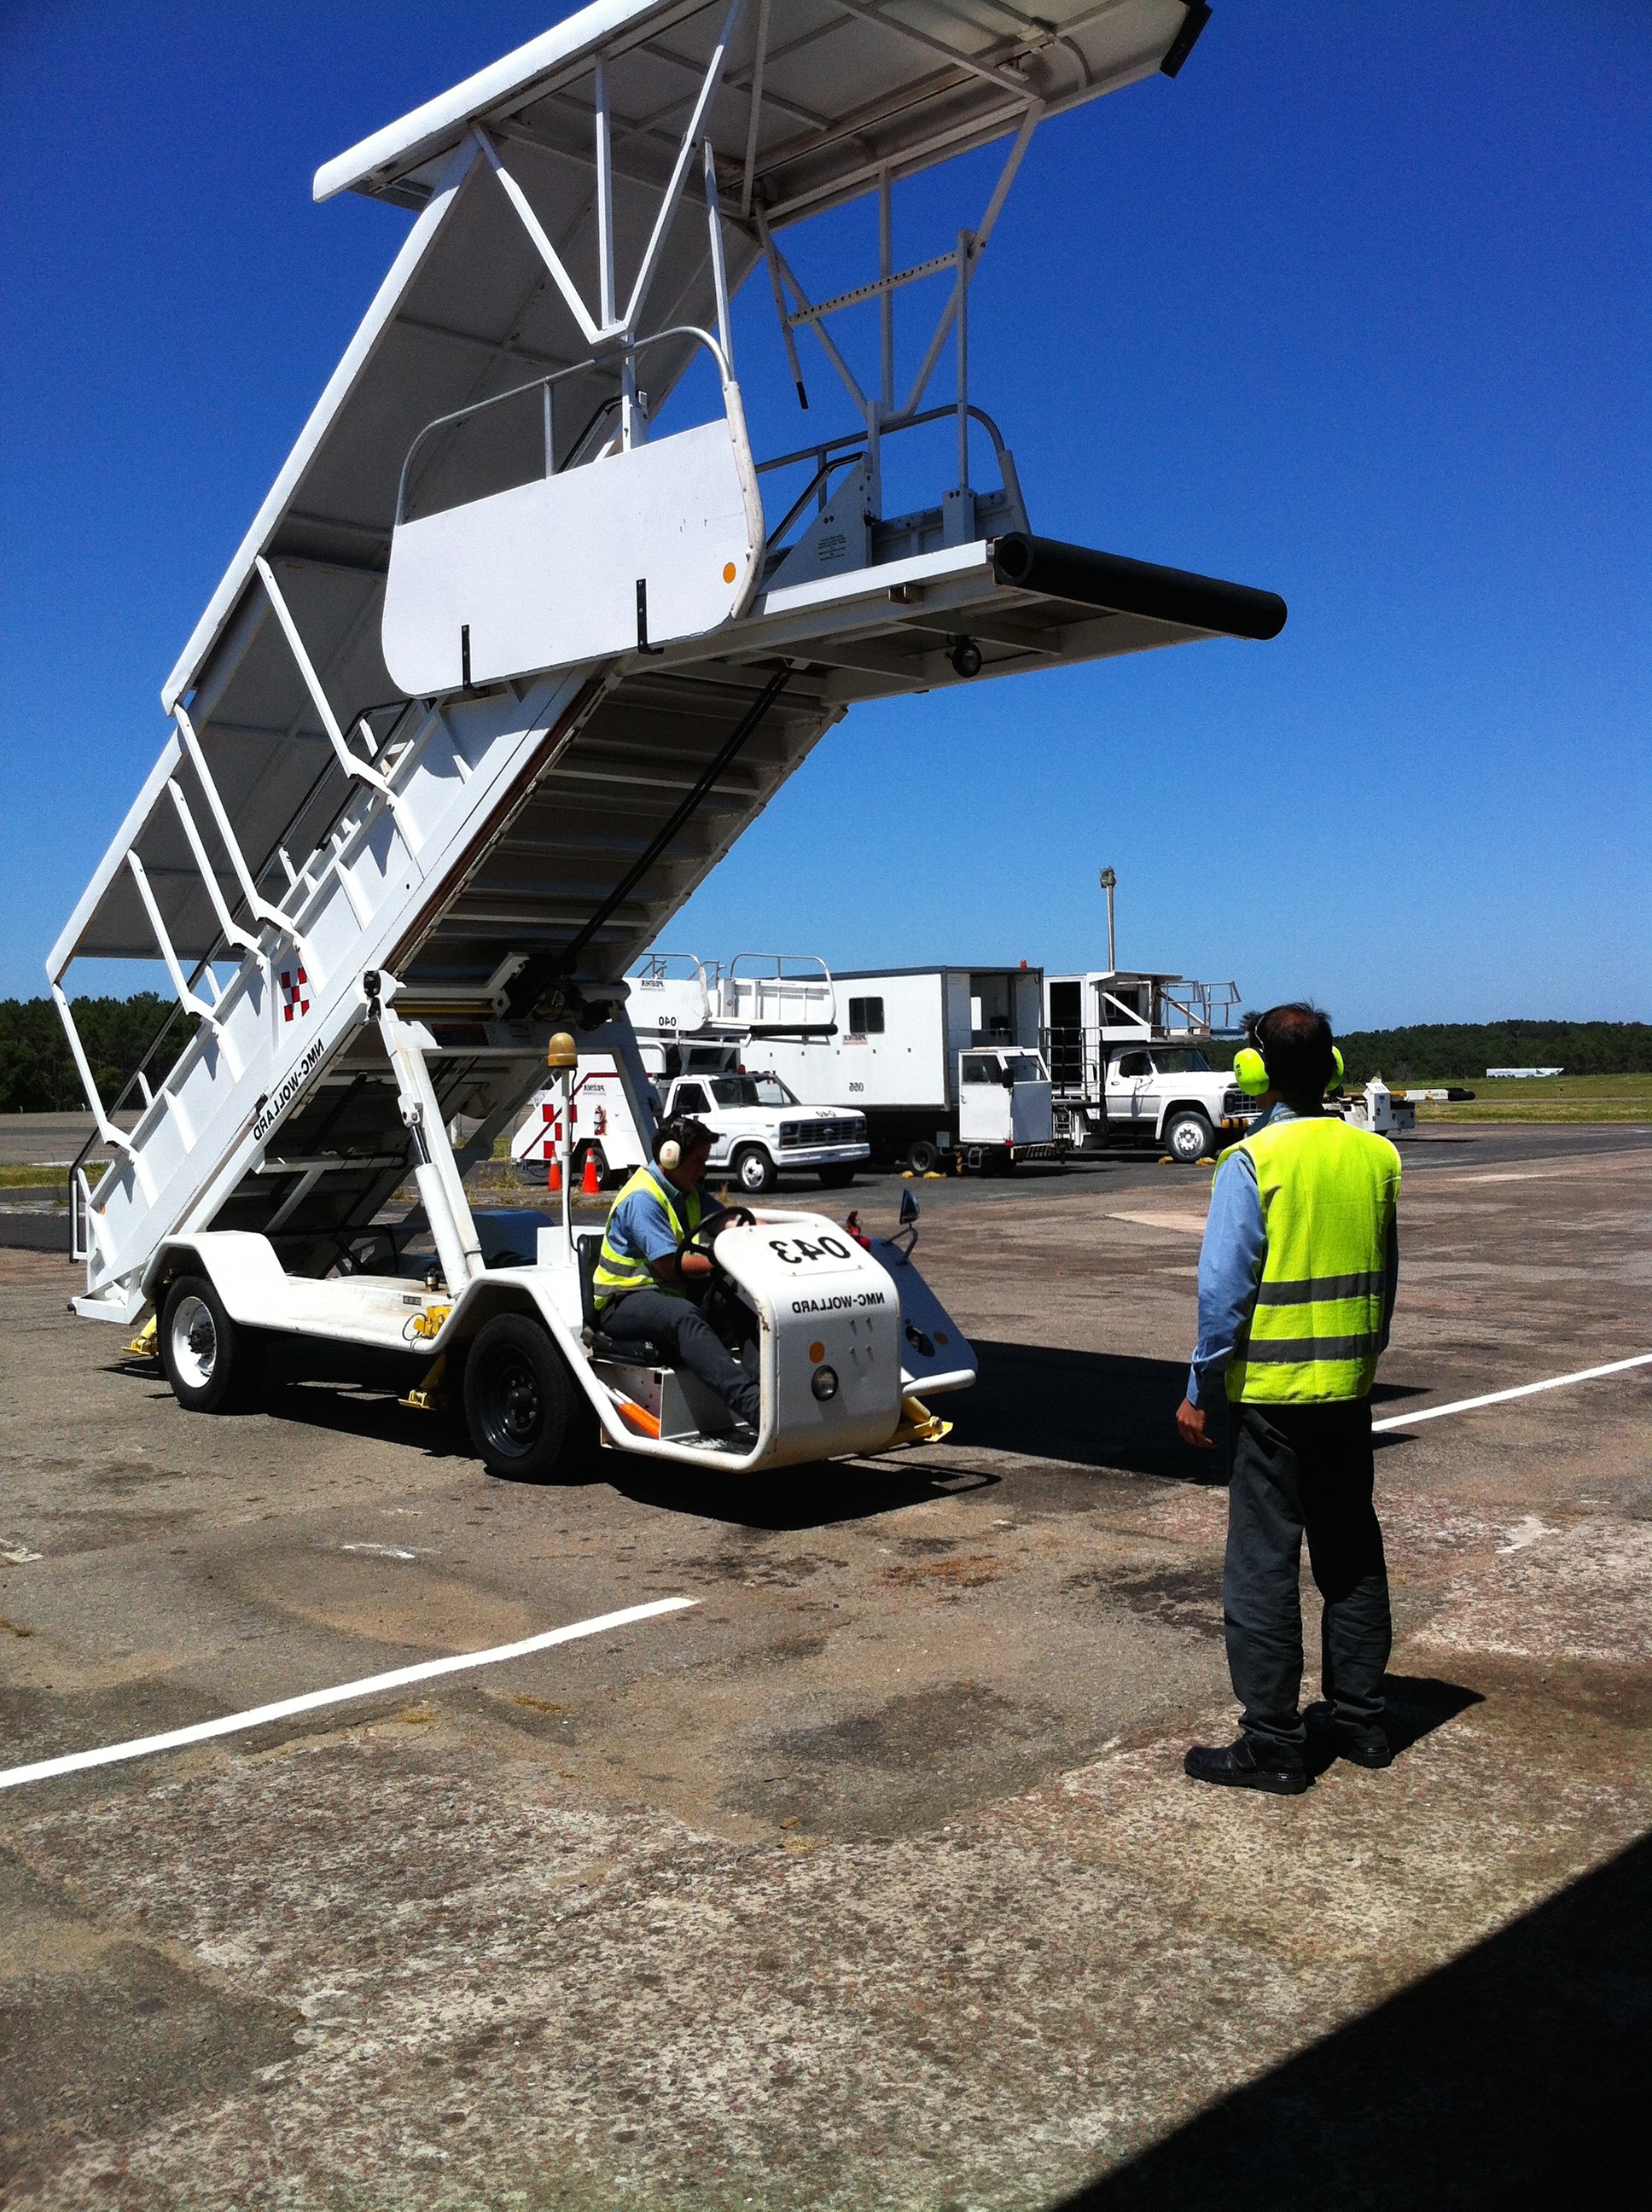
{"x":1135,"y":587}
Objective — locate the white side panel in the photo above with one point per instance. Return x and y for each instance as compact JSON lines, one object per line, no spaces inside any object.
{"x":904,"y":1065}
{"x":546,"y":575}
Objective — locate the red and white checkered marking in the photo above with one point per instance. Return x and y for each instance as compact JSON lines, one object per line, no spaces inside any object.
{"x":295,"y":989}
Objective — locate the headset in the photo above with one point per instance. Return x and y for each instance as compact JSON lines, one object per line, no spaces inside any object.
{"x":1250,"y":1070}
{"x":669,"y":1154}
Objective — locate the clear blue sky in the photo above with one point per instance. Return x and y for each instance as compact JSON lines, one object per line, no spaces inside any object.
{"x":1356,"y":310}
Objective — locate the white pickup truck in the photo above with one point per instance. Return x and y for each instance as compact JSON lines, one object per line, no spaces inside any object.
{"x":1163,"y":1094}
{"x":760,"y":1127}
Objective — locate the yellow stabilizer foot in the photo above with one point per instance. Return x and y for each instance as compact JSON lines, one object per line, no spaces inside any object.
{"x":919,"y":1425}
{"x":431,"y":1395}
{"x":146,"y":1344}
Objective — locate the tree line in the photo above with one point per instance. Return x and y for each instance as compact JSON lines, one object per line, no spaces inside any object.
{"x":37,"y":1076}
{"x":1462,"y":1051}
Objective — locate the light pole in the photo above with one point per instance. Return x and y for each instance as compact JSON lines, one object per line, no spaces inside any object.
{"x":1109,"y":880}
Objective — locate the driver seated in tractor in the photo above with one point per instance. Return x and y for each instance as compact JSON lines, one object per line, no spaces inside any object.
{"x":652,"y":1284}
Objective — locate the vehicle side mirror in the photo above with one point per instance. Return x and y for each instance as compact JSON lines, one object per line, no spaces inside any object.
{"x":908,"y":1209}
{"x":1008,"y":1079}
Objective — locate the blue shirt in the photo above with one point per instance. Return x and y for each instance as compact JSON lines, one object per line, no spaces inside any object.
{"x":640,"y":1228}
{"x":1230,"y":1267}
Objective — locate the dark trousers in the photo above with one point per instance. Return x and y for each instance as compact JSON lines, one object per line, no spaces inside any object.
{"x":1297,"y":1470}
{"x":683,"y":1332}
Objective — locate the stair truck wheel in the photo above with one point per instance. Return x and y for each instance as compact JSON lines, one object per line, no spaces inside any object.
{"x":524,"y":1410}
{"x":212,"y":1365}
{"x":754,"y":1170}
{"x":1188,"y":1134}
{"x":835,"y":1178}
{"x":923,"y":1155}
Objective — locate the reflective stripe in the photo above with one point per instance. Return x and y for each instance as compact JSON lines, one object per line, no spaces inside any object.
{"x":1301,"y":1350}
{"x":1369,"y":1284}
{"x":617,"y":1272}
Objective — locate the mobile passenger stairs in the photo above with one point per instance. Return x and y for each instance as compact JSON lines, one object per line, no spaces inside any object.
{"x":1127,"y":1061}
{"x":522,"y":639}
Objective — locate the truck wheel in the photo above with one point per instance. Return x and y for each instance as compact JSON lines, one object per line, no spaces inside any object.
{"x":754,"y":1170}
{"x":213,"y":1367}
{"x":586,"y":1152}
{"x":835,"y":1178}
{"x":922,"y":1157}
{"x":519,"y":1399}
{"x":1187,"y":1135}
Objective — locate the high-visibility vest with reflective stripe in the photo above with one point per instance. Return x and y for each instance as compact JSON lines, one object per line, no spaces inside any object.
{"x":617,"y":1272}
{"x":1328,"y":1196}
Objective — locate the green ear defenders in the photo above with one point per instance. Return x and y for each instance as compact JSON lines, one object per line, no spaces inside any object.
{"x":1250,"y":1070}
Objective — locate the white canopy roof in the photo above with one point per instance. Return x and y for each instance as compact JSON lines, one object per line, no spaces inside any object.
{"x":844,"y":89}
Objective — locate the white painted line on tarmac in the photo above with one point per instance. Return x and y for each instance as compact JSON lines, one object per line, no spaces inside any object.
{"x":371,"y":1685}
{"x":1499,"y":1397}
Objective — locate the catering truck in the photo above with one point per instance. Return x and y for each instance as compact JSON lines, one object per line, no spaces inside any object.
{"x":522,"y":639}
{"x":946,"y":1064}
{"x":1127,"y":1062}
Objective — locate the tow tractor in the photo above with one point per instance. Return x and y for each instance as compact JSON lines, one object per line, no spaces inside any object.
{"x":522,"y":639}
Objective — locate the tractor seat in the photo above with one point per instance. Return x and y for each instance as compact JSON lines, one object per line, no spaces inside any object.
{"x":634,"y":1352}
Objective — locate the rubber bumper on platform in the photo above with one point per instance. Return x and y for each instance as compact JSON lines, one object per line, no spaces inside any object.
{"x":1135,"y":587}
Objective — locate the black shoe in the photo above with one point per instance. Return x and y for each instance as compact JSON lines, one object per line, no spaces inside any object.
{"x":1236,"y":1767}
{"x":1367,"y":1746}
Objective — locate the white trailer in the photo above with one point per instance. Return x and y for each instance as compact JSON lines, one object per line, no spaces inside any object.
{"x":1127,"y":1064}
{"x":946,"y":1063}
{"x":513,"y":652}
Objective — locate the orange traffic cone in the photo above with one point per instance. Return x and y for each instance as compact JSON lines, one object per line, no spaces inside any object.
{"x":553,"y":1173}
{"x":591,"y":1181}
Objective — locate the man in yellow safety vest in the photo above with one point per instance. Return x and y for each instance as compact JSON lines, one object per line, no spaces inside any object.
{"x":1297,"y":1280}
{"x":648,"y":1287}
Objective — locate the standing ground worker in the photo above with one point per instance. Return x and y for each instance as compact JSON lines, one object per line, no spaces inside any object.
{"x":1297,"y":1280}
{"x":650,"y":1289}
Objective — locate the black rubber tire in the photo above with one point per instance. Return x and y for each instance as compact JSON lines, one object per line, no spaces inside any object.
{"x":835,"y":1178}
{"x":1188,"y":1136}
{"x":520,"y":1402}
{"x":922,"y":1157}
{"x":602,"y":1166}
{"x":753,"y":1170}
{"x":213,"y":1367}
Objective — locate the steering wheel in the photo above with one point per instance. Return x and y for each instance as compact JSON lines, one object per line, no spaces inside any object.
{"x":696,"y":1258}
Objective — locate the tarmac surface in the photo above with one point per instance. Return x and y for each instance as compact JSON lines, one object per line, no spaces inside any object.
{"x":873,"y":1880}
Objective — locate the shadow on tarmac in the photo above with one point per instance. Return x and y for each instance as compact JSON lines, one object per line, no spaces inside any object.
{"x":1513,"y":2078}
{"x":1096,"y":1409}
{"x":793,"y":1498}
{"x":1416,"y":1704}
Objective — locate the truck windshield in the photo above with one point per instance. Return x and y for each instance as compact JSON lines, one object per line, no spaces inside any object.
{"x":749,"y":1090}
{"x":1025,"y":1067}
{"x":1187,"y":1062}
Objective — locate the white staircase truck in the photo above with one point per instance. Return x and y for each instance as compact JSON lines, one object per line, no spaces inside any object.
{"x":1127,"y":1063}
{"x":515,"y":649}
{"x":695,"y":1032}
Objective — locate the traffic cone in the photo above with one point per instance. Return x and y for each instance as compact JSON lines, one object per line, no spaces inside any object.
{"x":553,"y":1173}
{"x":591,"y":1181}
